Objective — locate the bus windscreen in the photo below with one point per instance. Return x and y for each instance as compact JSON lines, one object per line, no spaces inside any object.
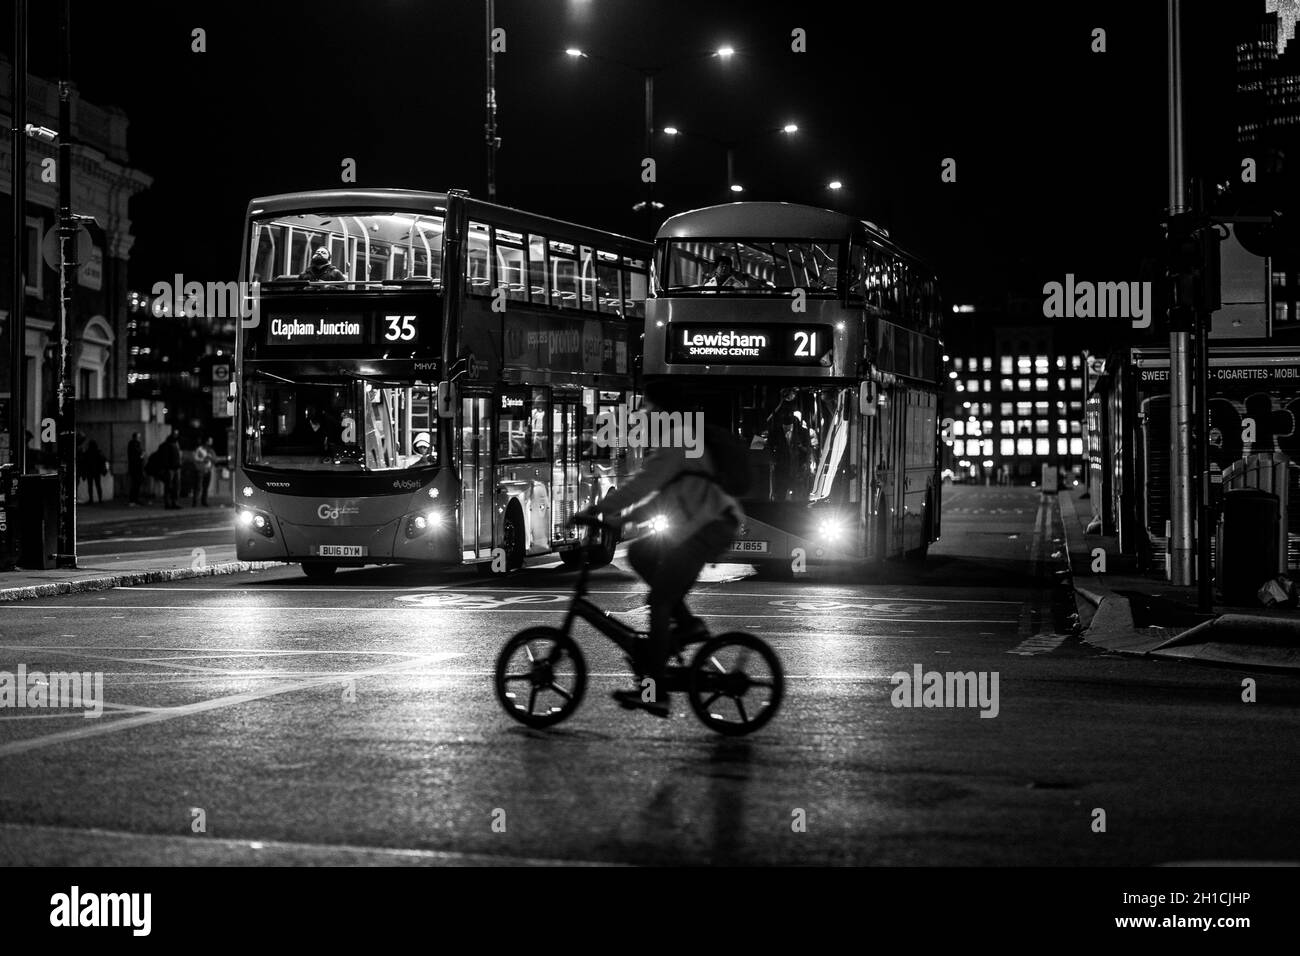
{"x":359,"y":247}
{"x":750,"y":266}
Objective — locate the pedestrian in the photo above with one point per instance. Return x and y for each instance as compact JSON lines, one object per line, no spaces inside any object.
{"x":172,"y":471}
{"x":205,"y":457}
{"x":134,"y":468}
{"x":94,"y":467}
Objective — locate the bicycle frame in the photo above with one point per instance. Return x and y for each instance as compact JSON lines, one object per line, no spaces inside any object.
{"x":600,"y":619}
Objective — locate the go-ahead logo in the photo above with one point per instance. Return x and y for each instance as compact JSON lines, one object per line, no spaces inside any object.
{"x":332,"y":512}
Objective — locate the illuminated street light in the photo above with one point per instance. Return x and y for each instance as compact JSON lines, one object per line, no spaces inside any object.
{"x":725,"y":52}
{"x":790,"y":128}
{"x":737,"y":188}
{"x":574,"y":51}
{"x":671,"y":130}
{"x":834,"y":184}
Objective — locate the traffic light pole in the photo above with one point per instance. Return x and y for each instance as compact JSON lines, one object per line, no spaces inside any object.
{"x":65,"y":409}
{"x":1180,"y":485}
{"x":1205,"y":512}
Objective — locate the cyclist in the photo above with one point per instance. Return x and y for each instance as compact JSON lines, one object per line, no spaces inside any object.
{"x":697,"y":521}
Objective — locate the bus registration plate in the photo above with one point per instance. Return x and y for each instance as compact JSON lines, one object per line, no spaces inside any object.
{"x":752,"y":547}
{"x":342,"y":550}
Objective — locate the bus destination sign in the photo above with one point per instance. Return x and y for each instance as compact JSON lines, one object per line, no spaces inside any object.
{"x":751,"y":344}
{"x":308,"y":328}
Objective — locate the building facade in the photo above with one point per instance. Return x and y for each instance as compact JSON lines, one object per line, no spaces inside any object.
{"x":103,"y":182}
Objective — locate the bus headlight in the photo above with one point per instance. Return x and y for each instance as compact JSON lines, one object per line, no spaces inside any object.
{"x":259,"y":522}
{"x":418,"y":524}
{"x":658,"y":524}
{"x":830,"y":529}
{"x":433,"y":493}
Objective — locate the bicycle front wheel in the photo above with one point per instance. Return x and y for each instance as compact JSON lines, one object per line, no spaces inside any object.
{"x":540,"y":676}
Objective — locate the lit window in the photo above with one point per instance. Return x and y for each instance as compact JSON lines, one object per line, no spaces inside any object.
{"x":1023,"y":363}
{"x":1062,"y":446}
{"x":988,"y":427}
{"x":1075,"y":362}
{"x":1076,"y":384}
{"x":973,"y":385}
{"x":1076,"y":446}
{"x":1022,"y":384}
{"x":1040,"y":408}
{"x":1076,"y":428}
{"x":988,"y":447}
{"x":1040,"y":364}
{"x":957,"y":364}
{"x":1005,"y":409}
{"x":987,"y":408}
{"x":1023,"y":409}
{"x":1060,"y":408}
{"x":1008,"y":446}
{"x":1024,"y":446}
{"x":1062,"y":426}
{"x":1005,"y":365}
{"x":988,"y":384}
{"x":959,"y":427}
{"x":959,"y":447}
{"x":1043,"y":446}
{"x":1007,"y":426}
{"x":986,"y":363}
{"x":1041,"y":425}
{"x":972,"y":365}
{"x":1040,"y":384}
{"x":1007,"y":385}
{"x":1060,"y":361}
{"x":1060,"y":384}
{"x":960,"y":387}
{"x":1076,"y":407}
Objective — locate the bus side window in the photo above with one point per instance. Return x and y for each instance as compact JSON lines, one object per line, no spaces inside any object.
{"x":509,"y":252}
{"x":607,"y":293}
{"x":477,"y":270}
{"x":564,"y":276}
{"x":537,"y":269}
{"x":635,"y":285}
{"x":587,"y":280}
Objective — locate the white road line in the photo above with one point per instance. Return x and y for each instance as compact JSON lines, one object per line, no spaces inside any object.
{"x":534,"y":610}
{"x":97,"y":728}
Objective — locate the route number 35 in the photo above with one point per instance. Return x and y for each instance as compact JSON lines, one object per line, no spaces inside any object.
{"x":400,"y":328}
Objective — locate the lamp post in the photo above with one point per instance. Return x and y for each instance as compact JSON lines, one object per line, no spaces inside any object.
{"x":65,"y":410}
{"x":648,"y":74}
{"x":17,"y":309}
{"x":729,"y":147}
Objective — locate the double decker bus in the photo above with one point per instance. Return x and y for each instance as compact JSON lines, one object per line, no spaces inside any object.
{"x":428,"y":393}
{"x":815,"y":340}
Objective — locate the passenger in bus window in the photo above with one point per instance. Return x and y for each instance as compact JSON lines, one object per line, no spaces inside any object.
{"x":725,"y":276}
{"x":321,"y":269}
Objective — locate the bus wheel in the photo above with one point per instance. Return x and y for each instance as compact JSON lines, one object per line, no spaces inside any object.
{"x":319,"y":570}
{"x":512,"y":537}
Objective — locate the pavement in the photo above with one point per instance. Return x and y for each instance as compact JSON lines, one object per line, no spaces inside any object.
{"x":119,"y":545}
{"x":1125,"y":611}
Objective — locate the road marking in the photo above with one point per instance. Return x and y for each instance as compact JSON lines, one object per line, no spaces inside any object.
{"x":1039,"y":644}
{"x":218,"y":609}
{"x":48,"y":835}
{"x":96,"y":728}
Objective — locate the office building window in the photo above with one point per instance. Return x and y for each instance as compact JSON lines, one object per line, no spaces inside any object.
{"x":1007,"y":446}
{"x":1060,"y":384}
{"x":1040,"y":384}
{"x":1043,"y":446}
{"x":1005,"y":409}
{"x":1023,"y":363}
{"x":1062,"y":446}
{"x":1040,"y":364}
{"x":986,"y":364}
{"x":973,"y":385}
{"x":1041,"y":425}
{"x":1076,"y":446}
{"x":1007,"y":427}
{"x":1024,"y":446}
{"x":1005,"y":364}
{"x":1060,"y":361}
{"x":1076,"y":384}
{"x":957,"y":364}
{"x":1022,"y":384}
{"x":1007,"y":385}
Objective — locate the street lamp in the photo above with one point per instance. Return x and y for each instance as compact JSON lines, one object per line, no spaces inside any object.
{"x":648,"y":75}
{"x":729,"y":146}
{"x":834,"y":184}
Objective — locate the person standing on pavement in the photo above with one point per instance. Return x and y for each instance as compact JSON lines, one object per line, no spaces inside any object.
{"x":205,"y":457}
{"x":172,"y":471}
{"x":96,"y":467}
{"x":134,"y":468}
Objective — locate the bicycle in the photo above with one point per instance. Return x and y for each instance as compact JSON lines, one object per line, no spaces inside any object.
{"x":717,"y":681}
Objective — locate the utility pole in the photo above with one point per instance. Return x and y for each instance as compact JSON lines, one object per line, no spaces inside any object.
{"x":17,"y":307}
{"x":65,"y":411}
{"x":1180,"y":483}
{"x":490,"y":127}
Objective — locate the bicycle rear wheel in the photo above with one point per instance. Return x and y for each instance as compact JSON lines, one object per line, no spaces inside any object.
{"x":540,"y":676}
{"x":736,"y":684}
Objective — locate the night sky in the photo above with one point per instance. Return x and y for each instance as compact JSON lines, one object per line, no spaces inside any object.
{"x":1060,"y":152}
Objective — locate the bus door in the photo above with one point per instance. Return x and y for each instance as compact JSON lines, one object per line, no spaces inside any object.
{"x":475,"y":454}
{"x":566,"y":412}
{"x":886,"y":499}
